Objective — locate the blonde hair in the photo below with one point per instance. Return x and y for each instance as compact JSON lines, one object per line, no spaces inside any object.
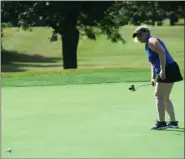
{"x":143,"y":26}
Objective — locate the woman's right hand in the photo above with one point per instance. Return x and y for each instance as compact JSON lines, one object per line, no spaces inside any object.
{"x":153,"y":82}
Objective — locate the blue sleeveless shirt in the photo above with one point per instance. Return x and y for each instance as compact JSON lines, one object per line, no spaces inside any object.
{"x":153,"y":57}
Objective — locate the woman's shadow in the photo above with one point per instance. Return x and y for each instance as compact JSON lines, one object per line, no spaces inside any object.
{"x":175,"y":129}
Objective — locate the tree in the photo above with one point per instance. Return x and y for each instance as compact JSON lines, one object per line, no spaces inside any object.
{"x":150,"y":12}
{"x":1,"y":38}
{"x":69,"y":19}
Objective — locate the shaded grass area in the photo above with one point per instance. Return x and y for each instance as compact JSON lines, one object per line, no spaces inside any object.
{"x":13,"y":61}
{"x":91,"y":76}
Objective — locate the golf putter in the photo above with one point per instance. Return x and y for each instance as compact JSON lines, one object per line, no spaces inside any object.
{"x":133,"y":88}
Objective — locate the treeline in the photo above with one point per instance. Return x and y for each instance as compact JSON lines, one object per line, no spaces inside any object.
{"x":130,"y":12}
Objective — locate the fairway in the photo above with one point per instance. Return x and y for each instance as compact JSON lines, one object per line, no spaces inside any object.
{"x":87,"y":120}
{"x":101,"y":53}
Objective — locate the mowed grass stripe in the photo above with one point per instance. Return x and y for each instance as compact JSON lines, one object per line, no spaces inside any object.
{"x":91,"y":76}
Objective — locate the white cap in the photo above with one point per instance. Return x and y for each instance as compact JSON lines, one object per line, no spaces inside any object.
{"x":142,"y":28}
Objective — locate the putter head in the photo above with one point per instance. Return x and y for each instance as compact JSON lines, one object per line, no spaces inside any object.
{"x":132,"y":88}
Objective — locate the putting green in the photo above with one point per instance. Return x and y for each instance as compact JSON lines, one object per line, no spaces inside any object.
{"x":96,"y":120}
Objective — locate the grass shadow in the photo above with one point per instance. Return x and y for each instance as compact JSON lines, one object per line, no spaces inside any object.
{"x":179,"y":24}
{"x":9,"y":58}
{"x":176,"y":130}
{"x":37,"y":65}
{"x":11,"y":68}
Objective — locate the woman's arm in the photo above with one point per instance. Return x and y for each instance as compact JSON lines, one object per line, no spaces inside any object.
{"x":153,"y":74}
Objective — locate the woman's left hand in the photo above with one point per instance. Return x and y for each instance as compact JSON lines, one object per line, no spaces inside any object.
{"x":162,"y":75}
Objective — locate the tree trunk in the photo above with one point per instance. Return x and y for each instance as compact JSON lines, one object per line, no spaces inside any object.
{"x":70,"y":39}
{"x":1,"y":39}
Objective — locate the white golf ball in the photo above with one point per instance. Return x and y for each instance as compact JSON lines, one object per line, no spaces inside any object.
{"x":9,"y":150}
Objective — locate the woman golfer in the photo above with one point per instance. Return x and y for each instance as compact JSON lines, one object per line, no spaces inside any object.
{"x":165,"y":72}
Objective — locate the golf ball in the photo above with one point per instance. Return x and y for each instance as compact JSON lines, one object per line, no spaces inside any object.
{"x":9,"y":150}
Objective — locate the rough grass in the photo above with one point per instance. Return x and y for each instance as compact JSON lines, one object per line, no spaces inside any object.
{"x":76,"y":77}
{"x":96,"y":53}
{"x":99,"y":61}
{"x":83,"y":76}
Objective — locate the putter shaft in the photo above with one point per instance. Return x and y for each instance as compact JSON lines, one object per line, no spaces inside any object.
{"x":144,"y":85}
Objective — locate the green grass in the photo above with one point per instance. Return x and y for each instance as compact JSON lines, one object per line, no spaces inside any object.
{"x":99,"y":61}
{"x":92,"y":54}
{"x":76,"y":77}
{"x":91,"y":76}
{"x":76,"y":121}
{"x":67,"y":118}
